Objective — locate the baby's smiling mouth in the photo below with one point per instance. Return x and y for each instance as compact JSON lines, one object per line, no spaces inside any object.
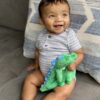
{"x":58,"y":26}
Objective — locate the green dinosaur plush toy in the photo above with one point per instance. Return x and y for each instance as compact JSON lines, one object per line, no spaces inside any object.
{"x":58,"y":73}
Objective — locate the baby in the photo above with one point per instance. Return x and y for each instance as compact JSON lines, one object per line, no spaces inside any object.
{"x":55,"y":39}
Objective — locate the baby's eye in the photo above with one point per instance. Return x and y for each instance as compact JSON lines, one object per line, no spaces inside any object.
{"x":65,"y":14}
{"x":51,"y":16}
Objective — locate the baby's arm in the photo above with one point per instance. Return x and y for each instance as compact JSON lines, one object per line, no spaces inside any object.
{"x":80,"y":57}
{"x":36,"y":61}
{"x":35,"y":64}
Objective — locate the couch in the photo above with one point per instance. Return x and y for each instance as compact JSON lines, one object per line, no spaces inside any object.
{"x":13,"y":18}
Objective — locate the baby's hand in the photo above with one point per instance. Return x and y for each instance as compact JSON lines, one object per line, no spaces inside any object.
{"x":72,"y":66}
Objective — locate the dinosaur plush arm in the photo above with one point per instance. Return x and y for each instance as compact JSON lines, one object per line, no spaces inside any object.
{"x":59,"y":77}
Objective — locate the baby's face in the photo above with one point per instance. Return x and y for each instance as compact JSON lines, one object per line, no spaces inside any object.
{"x":55,"y":17}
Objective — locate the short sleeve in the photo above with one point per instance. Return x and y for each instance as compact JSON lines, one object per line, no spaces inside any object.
{"x":73,"y":41}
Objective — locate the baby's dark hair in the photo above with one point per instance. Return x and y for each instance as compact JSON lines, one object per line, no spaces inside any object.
{"x":48,"y":2}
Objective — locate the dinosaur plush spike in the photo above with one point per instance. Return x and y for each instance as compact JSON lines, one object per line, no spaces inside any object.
{"x":58,"y":73}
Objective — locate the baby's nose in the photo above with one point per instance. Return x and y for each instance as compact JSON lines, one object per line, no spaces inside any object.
{"x":59,"y":18}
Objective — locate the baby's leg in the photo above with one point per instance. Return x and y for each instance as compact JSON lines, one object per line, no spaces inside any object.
{"x":31,"y":83}
{"x":61,"y":93}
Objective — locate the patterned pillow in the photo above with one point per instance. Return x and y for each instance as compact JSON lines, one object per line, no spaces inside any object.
{"x":85,"y":17}
{"x":32,"y":29}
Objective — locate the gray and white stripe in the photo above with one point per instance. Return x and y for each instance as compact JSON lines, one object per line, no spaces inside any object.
{"x":51,"y":45}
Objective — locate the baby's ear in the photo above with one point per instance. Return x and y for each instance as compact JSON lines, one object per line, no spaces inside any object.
{"x":41,"y":22}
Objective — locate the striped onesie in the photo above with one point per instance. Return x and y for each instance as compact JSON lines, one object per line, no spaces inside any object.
{"x":51,"y":45}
